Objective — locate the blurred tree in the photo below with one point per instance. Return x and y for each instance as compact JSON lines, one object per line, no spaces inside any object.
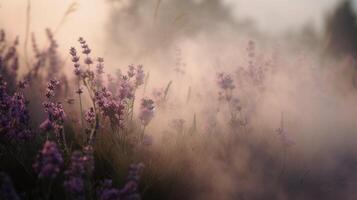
{"x":341,"y":31}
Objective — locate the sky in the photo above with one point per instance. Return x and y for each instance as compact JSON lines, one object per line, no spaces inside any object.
{"x":281,"y":15}
{"x":270,"y":15}
{"x":90,"y":19}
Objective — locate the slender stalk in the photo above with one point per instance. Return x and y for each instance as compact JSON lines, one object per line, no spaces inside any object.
{"x":80,"y":103}
{"x":27,"y":29}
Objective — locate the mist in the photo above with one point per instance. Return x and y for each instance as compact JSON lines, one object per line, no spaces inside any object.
{"x":285,"y":127}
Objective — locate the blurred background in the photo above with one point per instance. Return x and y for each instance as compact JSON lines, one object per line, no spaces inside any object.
{"x":306,"y":51}
{"x":133,"y":28}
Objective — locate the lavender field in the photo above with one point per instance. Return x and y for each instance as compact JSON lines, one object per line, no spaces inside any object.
{"x":178,"y":99}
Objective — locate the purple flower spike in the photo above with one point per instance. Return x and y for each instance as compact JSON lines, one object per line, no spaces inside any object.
{"x":49,"y":161}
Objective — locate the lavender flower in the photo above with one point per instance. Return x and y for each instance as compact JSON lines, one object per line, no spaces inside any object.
{"x":75,"y":60}
{"x":130,"y":189}
{"x":51,"y":85}
{"x":139,"y":76}
{"x":74,"y":182}
{"x":159,"y":95}
{"x":56,"y":116}
{"x":131,"y":71}
{"x":110,"y":107}
{"x":14,"y":116}
{"x":90,"y":116}
{"x":225,"y":81}
{"x":100,"y":65}
{"x":2,"y":35}
{"x":88,"y":159}
{"x":146,"y":111}
{"x":88,"y":61}
{"x":126,"y":89}
{"x":49,"y":161}
{"x":53,"y":56}
{"x":106,"y":191}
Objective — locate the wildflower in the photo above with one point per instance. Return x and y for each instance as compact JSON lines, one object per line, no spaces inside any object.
{"x":55,"y":112}
{"x":75,"y":60}
{"x":75,"y":187}
{"x":14,"y":116}
{"x":7,"y":190}
{"x":51,"y":87}
{"x":106,"y":191}
{"x":100,"y":65}
{"x":130,"y":188}
{"x":146,"y":111}
{"x":85,"y":49}
{"x":225,"y":81}
{"x":158,"y":95}
{"x":2,"y":35}
{"x":88,"y":159}
{"x":90,"y":116}
{"x":251,"y":49}
{"x":23,"y":84}
{"x":74,"y":182}
{"x":49,"y":161}
{"x":131,"y":71}
{"x":110,"y":107}
{"x":139,"y":76}
{"x":88,"y":61}
{"x":52,"y":54}
{"x":126,"y":89}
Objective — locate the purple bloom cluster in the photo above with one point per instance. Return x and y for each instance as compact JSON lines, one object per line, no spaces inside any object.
{"x":226,"y":86}
{"x":75,"y":60}
{"x":49,"y":161}
{"x":131,"y":186}
{"x":146,"y":111}
{"x":225,"y":81}
{"x":75,"y":173}
{"x":140,"y":75}
{"x":131,"y":71}
{"x":85,"y":49}
{"x":100,"y":65}
{"x":88,"y":159}
{"x":56,"y":117}
{"x":51,"y":86}
{"x":14,"y":116}
{"x":129,"y":191}
{"x":159,"y":95}
{"x":81,"y":164}
{"x":90,"y":116}
{"x":54,"y":110}
{"x":106,"y":191}
{"x":110,"y":106}
{"x":53,"y":56}
{"x":126,"y":89}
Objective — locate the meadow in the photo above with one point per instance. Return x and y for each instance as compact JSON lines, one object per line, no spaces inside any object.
{"x":210,"y":116}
